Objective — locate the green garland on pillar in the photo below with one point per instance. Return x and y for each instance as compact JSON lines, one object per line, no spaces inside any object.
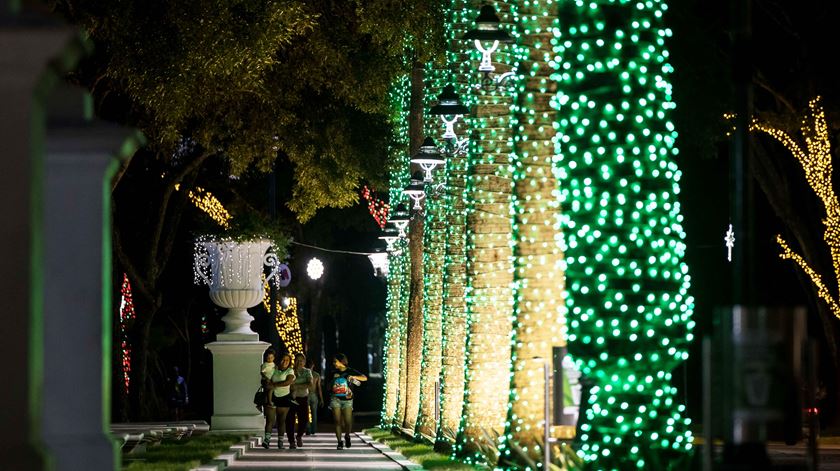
{"x":629,"y":307}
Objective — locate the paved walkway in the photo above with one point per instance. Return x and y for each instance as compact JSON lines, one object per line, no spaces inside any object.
{"x":318,"y":453}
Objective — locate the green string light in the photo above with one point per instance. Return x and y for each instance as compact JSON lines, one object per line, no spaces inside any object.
{"x":628,"y":303}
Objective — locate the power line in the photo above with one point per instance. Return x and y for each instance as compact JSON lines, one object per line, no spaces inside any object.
{"x":331,"y":250}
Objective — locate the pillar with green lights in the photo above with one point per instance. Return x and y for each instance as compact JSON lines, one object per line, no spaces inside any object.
{"x":454,"y":323}
{"x":628,"y":301}
{"x":397,"y":300}
{"x":489,"y":258}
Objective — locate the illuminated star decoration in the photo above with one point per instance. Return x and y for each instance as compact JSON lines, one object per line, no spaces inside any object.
{"x":730,"y":242}
{"x":378,"y":208}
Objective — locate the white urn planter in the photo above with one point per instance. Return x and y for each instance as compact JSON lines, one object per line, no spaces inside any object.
{"x":233,"y":271}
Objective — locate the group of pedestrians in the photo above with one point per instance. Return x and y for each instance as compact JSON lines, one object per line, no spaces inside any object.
{"x":293,"y":391}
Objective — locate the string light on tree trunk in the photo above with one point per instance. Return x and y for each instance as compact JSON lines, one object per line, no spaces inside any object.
{"x":127,"y":315}
{"x":628,"y":303}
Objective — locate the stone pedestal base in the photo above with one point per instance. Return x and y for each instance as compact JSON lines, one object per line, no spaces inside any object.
{"x":236,"y":377}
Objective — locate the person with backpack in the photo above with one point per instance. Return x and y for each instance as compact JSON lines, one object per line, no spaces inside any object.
{"x":342,"y":382}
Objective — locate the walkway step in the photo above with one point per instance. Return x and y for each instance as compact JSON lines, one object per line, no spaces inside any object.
{"x":319,"y":453}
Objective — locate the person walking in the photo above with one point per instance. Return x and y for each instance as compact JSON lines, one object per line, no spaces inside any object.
{"x":281,"y":397}
{"x":342,"y":382}
{"x":316,"y":398}
{"x":300,"y":395}
{"x":266,"y":372}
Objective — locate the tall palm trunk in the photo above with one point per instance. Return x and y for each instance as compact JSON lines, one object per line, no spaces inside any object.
{"x":393,"y":351}
{"x":414,"y":326}
{"x":435,"y":245}
{"x":489,"y":267}
{"x":538,"y":277}
{"x":454,"y":321}
{"x":629,"y":307}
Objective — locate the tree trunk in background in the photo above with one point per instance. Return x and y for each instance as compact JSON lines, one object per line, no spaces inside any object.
{"x":454,"y":322}
{"x":414,"y":326}
{"x":435,"y":246}
{"x":454,"y":329}
{"x":489,"y":263}
{"x":405,"y":286}
{"x":538,"y":278}
{"x":392,"y":341}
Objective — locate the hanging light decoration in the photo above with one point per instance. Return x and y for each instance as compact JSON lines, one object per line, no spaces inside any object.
{"x":449,"y":108}
{"x":416,"y":190}
{"x":487,"y":35}
{"x":428,"y":158}
{"x":400,"y":219}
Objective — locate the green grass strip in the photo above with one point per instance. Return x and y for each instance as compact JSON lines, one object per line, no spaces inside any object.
{"x":420,"y":453}
{"x":181,"y":455}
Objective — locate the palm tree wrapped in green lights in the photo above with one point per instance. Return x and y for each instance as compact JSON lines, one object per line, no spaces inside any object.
{"x":629,"y":310}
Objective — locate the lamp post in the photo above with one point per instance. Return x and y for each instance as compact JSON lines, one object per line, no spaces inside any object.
{"x":399,"y":218}
{"x":487,"y":35}
{"x":449,"y":108}
{"x":428,"y":158}
{"x":390,"y":236}
{"x":416,"y":190}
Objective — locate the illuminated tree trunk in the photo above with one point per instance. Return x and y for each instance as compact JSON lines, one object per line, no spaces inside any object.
{"x":405,"y":286}
{"x":489,"y":269}
{"x":538,"y":276}
{"x":398,"y":268}
{"x":628,"y":303}
{"x":435,"y":245}
{"x":414,"y":326}
{"x":414,"y":349}
{"x":454,"y":322}
{"x":392,"y":341}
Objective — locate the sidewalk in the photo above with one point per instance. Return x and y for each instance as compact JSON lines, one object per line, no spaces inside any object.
{"x":318,"y":453}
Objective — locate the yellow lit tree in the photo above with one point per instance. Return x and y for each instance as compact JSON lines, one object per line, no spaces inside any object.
{"x":815,"y":158}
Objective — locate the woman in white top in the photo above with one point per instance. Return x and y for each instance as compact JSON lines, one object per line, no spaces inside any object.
{"x":281,"y":396}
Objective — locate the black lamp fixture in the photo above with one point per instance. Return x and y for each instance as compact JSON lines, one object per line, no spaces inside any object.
{"x":488,"y":31}
{"x":428,"y":158}
{"x":449,"y":108}
{"x":390,"y":236}
{"x":399,"y":218}
{"x":416,"y":190}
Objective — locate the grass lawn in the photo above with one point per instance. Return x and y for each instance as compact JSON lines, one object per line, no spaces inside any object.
{"x":420,"y":453}
{"x":181,"y":455}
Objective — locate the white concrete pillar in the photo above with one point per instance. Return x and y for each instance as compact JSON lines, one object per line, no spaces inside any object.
{"x":77,"y":289}
{"x":236,"y":377}
{"x":24,"y":52}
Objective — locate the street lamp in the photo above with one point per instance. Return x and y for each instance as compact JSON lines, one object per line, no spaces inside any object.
{"x":400,"y":219}
{"x":390,"y":236}
{"x":379,"y":260}
{"x":416,"y":190}
{"x":487,"y":31}
{"x":449,"y":108}
{"x":315,"y":268}
{"x":428,"y":157}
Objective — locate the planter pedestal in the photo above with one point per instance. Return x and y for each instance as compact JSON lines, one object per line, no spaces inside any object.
{"x":236,"y":369}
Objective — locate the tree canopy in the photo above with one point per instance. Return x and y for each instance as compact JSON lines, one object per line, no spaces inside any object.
{"x":251,"y":79}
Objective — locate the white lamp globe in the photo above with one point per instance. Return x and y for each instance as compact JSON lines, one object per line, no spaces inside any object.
{"x":315,"y":268}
